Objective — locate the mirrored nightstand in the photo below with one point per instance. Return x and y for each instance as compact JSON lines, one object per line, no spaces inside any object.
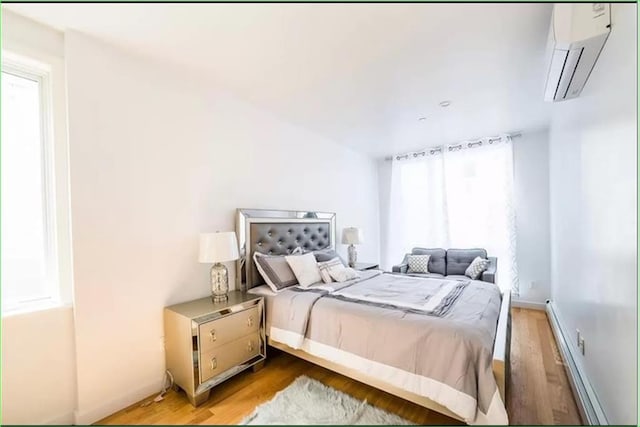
{"x":207,"y":342}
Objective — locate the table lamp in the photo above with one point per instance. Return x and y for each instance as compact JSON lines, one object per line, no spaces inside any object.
{"x":352,"y":236}
{"x":217,"y":248}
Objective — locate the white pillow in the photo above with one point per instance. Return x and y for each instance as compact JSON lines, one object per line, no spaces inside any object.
{"x":477,"y":266}
{"x":334,"y":265}
{"x":305,"y":268}
{"x":345,"y":274}
{"x":418,"y":263}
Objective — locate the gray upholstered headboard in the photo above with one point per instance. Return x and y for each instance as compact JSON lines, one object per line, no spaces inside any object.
{"x":278,"y":233}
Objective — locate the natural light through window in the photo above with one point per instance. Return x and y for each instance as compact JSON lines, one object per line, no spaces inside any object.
{"x":28,"y":249}
{"x":459,"y":198}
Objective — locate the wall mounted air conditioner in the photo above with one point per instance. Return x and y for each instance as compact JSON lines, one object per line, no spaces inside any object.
{"x":576,"y":38}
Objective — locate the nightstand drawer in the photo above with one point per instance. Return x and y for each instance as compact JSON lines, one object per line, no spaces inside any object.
{"x":220,"y":359}
{"x":222,"y":331}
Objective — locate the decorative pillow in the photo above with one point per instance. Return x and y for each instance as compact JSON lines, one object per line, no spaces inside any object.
{"x":305,"y":268}
{"x":477,"y":266}
{"x":275,"y":271}
{"x":347,"y":273}
{"x":418,"y":263}
{"x":334,"y":265}
{"x":324,"y":255}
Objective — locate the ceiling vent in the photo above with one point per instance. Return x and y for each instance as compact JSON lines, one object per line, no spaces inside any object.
{"x":576,"y":38}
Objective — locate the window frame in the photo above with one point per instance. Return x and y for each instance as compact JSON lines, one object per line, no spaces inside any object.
{"x":27,"y":68}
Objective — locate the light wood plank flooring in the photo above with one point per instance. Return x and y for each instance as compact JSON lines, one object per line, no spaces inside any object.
{"x":538,"y":392}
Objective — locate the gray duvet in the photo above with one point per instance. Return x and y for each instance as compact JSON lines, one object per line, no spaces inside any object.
{"x":432,"y":337}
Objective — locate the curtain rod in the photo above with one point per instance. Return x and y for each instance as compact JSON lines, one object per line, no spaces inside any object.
{"x":434,"y":149}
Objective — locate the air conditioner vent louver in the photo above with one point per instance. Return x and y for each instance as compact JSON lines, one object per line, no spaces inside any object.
{"x":576,"y":38}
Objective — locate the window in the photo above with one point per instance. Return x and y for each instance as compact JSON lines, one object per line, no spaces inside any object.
{"x":460,"y":196}
{"x":28,"y":233}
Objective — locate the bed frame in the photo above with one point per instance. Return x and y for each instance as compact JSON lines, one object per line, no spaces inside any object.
{"x":280,"y":232}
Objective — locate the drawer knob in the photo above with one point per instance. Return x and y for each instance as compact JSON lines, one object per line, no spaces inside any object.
{"x":214,"y":363}
{"x":250,"y":347}
{"x":212,"y":334}
{"x":250,"y":321}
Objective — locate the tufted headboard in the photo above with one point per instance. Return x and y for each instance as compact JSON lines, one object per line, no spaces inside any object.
{"x":278,"y":232}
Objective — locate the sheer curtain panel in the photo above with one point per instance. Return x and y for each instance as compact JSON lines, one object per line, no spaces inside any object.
{"x":456,"y":196}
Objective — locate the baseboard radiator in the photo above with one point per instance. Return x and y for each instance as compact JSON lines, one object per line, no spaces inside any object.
{"x":585,"y":397}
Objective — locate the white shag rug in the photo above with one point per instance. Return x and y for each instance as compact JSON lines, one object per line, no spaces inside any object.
{"x":307,"y":401}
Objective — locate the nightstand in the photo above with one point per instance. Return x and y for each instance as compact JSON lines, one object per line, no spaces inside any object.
{"x":207,"y":343}
{"x":366,"y":266}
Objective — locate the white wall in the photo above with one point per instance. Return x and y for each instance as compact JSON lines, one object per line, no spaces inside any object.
{"x":38,"y":351}
{"x":531,"y":194}
{"x":38,"y":368}
{"x":593,"y":169}
{"x":531,"y":188}
{"x":384,"y":198}
{"x":158,"y":156}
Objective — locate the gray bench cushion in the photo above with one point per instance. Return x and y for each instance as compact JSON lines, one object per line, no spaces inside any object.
{"x":459,"y":259}
{"x":437,"y":261}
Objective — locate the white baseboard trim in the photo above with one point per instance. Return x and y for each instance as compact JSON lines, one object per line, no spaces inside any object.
{"x":92,"y":415}
{"x":60,"y":420}
{"x":586,"y":399}
{"x":533,"y":305}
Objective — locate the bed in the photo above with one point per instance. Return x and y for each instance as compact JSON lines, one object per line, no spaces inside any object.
{"x":450,"y":354}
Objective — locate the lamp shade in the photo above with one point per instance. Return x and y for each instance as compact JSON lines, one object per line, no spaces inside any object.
{"x":218,"y":247}
{"x":352,"y":236}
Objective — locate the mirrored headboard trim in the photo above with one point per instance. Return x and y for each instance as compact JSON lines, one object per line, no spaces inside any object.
{"x":278,"y":232}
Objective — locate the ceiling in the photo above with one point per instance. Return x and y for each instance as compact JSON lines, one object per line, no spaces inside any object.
{"x":360,"y":74}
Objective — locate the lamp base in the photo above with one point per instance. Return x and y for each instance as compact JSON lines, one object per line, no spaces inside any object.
{"x":353,"y":256}
{"x":219,"y":298}
{"x":219,"y":282}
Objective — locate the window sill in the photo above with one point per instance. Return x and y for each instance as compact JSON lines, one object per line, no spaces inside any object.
{"x":35,"y":307}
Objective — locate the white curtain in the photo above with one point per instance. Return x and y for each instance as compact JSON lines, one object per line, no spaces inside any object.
{"x":457,"y":196}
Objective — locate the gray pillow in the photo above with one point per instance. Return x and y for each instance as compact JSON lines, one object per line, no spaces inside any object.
{"x":477,"y":266}
{"x":418,"y":263}
{"x":275,"y":271}
{"x":324,"y":255}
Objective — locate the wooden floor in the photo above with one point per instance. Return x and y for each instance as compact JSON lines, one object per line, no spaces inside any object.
{"x":539,"y":388}
{"x":538,"y":392}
